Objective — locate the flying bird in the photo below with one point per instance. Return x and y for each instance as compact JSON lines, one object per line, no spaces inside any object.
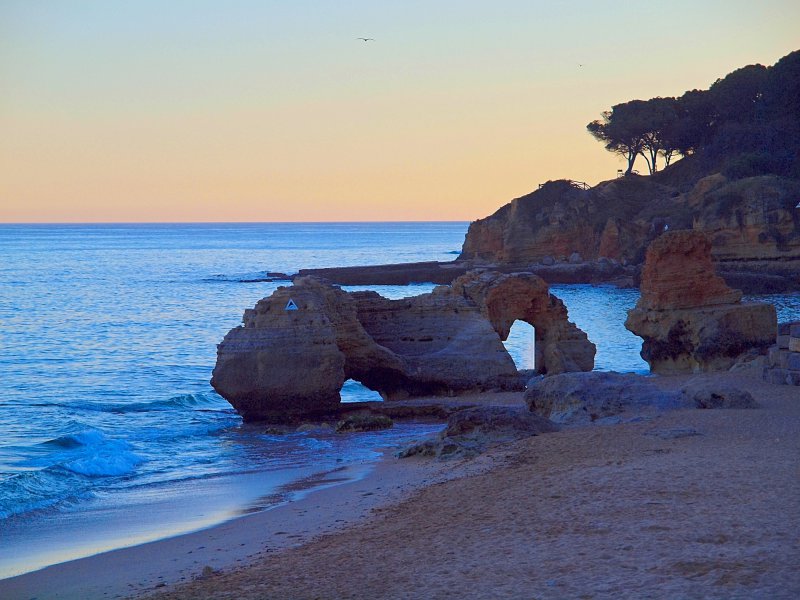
{"x":366,"y":39}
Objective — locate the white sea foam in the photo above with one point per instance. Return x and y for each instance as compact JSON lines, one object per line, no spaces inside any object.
{"x":93,"y":454}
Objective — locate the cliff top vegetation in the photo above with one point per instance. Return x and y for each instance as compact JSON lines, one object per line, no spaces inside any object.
{"x":746,"y":124}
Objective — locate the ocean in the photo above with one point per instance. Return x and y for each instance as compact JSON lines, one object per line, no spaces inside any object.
{"x":111,"y":433}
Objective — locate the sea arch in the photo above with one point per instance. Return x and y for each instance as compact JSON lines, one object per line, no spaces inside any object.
{"x":505,"y":298}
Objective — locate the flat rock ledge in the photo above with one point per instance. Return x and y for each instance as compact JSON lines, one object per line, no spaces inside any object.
{"x":607,"y":398}
{"x":602,"y":270}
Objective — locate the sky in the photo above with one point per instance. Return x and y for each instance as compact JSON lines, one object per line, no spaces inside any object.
{"x":245,"y":110}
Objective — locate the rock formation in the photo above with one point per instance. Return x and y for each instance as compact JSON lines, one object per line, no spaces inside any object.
{"x":690,"y":320}
{"x":472,"y":430}
{"x":704,"y":394}
{"x":297,"y":347}
{"x":560,"y":346}
{"x":436,"y":344}
{"x":593,"y":271}
{"x":753,"y":224}
{"x":679,"y":273}
{"x":583,"y":398}
{"x":285,"y":362}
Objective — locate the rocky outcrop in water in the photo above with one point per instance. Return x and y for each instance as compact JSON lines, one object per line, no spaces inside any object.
{"x":284,"y":362}
{"x":690,"y":320}
{"x":752,"y":223}
{"x":603,"y":270}
{"x":297,"y":347}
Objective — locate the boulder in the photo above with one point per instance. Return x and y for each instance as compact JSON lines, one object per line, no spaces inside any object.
{"x":689,"y":319}
{"x":471,"y":431}
{"x":582,"y":398}
{"x":363,"y":422}
{"x":705,"y":394}
{"x":505,"y":298}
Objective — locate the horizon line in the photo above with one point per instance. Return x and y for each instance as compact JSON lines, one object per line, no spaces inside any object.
{"x":227,"y":222}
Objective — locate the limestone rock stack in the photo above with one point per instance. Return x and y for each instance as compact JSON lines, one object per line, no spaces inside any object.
{"x":690,"y":320}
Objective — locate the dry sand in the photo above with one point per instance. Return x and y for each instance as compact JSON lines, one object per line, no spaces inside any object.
{"x":639,"y":510}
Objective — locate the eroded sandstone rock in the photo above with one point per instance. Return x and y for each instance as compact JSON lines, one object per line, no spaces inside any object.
{"x":441,"y":340}
{"x":296,"y":348}
{"x":705,"y":394}
{"x":752,"y":223}
{"x":283,"y":363}
{"x":690,"y":320}
{"x":678,"y":273}
{"x":582,"y":398}
{"x":503,"y":299}
{"x":471,"y":431}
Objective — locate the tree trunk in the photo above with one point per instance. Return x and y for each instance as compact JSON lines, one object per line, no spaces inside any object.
{"x":631,"y":159}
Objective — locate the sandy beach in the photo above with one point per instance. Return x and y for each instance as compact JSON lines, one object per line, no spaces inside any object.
{"x":691,"y":504}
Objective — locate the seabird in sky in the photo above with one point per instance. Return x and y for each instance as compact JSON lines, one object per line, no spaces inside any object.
{"x":366,"y":39}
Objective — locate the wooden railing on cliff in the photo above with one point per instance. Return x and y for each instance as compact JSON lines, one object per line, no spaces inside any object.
{"x":581,"y":185}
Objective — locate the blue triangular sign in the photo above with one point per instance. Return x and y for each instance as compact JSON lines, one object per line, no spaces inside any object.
{"x":290,"y":305}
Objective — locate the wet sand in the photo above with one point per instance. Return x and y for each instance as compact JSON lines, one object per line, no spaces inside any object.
{"x":692,"y":504}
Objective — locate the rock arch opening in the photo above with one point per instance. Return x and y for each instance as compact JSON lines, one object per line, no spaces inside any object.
{"x":521,"y":345}
{"x":355,"y":391}
{"x":560,"y":346}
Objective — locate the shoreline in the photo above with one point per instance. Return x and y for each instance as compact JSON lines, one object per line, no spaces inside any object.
{"x":604,"y":511}
{"x":689,"y":504}
{"x":315,"y":506}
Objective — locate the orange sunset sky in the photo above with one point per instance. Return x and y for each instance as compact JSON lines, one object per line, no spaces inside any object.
{"x":274,"y":111}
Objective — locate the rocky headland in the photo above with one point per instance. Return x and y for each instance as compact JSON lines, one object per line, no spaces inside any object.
{"x":569,"y":233}
{"x":753,"y":225}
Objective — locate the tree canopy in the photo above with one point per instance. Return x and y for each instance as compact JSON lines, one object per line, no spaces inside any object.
{"x":751,"y":116}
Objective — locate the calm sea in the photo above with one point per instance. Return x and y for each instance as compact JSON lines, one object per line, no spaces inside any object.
{"x":108,"y":337}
